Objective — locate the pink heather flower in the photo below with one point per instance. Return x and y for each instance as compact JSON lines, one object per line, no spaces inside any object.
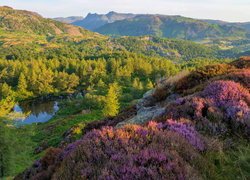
{"x":188,"y":132}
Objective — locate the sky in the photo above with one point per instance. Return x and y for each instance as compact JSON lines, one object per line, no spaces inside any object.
{"x":228,"y":10}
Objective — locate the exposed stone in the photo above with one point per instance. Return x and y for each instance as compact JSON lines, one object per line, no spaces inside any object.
{"x":147,"y":100}
{"x":144,"y":115}
{"x":85,"y":111}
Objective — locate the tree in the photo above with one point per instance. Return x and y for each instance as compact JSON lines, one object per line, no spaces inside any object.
{"x":6,"y":105}
{"x":111,"y":104}
{"x":22,"y":91}
{"x":137,"y":84}
{"x":6,"y":91}
{"x":149,"y":84}
{"x":65,"y":82}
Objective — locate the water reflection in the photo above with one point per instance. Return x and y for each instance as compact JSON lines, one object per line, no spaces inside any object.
{"x":35,"y":112}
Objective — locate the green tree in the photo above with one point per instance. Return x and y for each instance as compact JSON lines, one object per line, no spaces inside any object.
{"x":137,"y":84}
{"x":65,"y":82}
{"x":22,"y":86}
{"x":111,"y":104}
{"x":149,"y":84}
{"x":6,"y":91}
{"x":6,"y":105}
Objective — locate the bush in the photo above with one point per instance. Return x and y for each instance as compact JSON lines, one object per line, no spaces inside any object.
{"x":222,"y":107}
{"x":168,"y":150}
{"x":201,"y":75}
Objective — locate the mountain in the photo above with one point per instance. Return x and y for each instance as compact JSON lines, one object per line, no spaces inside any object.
{"x":118,"y":24}
{"x":243,"y":25}
{"x":171,"y":27}
{"x":94,"y":21}
{"x":12,"y":20}
{"x":26,"y":35}
{"x":69,"y":20}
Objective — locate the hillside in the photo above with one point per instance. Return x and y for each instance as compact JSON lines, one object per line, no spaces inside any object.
{"x":27,"y":35}
{"x":171,"y":27}
{"x":162,"y":25}
{"x":244,"y":25}
{"x":189,"y":119}
{"x":69,"y":20}
{"x":22,"y":21}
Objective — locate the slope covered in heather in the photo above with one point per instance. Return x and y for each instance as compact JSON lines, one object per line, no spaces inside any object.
{"x":194,"y":118}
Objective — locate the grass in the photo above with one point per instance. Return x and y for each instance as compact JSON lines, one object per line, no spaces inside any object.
{"x":233,"y":163}
{"x":22,"y":141}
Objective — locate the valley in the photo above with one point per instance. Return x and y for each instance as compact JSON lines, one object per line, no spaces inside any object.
{"x":160,"y":94}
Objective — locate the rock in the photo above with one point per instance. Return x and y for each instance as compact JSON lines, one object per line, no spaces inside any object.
{"x":85,"y":111}
{"x":144,"y":115}
{"x":147,"y":100}
{"x":172,"y":97}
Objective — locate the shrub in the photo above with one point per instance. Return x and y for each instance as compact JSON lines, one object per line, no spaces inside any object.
{"x":243,"y":62}
{"x":188,"y":131}
{"x":240,"y":76}
{"x":132,"y":152}
{"x":223,"y":106}
{"x":230,"y":97}
{"x":201,"y":75}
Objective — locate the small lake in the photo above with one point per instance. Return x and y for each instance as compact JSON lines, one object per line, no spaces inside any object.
{"x":26,"y":113}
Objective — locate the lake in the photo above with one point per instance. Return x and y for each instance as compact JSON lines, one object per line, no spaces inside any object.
{"x":34,"y":112}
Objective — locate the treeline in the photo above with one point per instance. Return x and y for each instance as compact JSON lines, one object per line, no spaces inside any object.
{"x":30,"y":78}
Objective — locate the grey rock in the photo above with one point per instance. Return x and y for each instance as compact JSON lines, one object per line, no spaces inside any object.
{"x":144,"y":115}
{"x":147,"y":100}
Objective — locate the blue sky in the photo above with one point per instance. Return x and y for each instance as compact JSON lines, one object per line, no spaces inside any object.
{"x":229,"y":10}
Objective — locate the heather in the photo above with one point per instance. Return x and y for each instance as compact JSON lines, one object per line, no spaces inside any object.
{"x":222,"y":107}
{"x":132,"y":152}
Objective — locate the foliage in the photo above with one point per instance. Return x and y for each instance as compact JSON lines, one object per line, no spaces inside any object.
{"x":130,"y":152}
{"x":231,"y":97}
{"x":111,"y":106}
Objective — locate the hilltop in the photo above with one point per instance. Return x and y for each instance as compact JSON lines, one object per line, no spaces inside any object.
{"x":95,"y":21}
{"x":13,"y":20}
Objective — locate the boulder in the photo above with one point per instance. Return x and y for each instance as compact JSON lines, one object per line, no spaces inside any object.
{"x":144,"y":115}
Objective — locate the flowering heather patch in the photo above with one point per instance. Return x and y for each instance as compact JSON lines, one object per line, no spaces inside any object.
{"x":221,"y":107}
{"x":242,"y":77}
{"x":132,"y":152}
{"x":230,"y":97}
{"x":188,"y":132}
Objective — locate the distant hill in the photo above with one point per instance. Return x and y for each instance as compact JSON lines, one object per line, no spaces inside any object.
{"x":171,"y":27}
{"x":12,"y":20}
{"x":118,"y":24}
{"x":70,"y":19}
{"x":94,"y":21}
{"x":27,"y":35}
{"x":245,"y":25}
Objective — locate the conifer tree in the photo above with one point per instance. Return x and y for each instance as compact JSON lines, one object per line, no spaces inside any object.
{"x":149,"y":84}
{"x":22,"y":86}
{"x":22,"y":83}
{"x":111,"y":106}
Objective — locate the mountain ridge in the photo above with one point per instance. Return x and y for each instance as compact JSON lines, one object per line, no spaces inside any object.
{"x":170,"y":26}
